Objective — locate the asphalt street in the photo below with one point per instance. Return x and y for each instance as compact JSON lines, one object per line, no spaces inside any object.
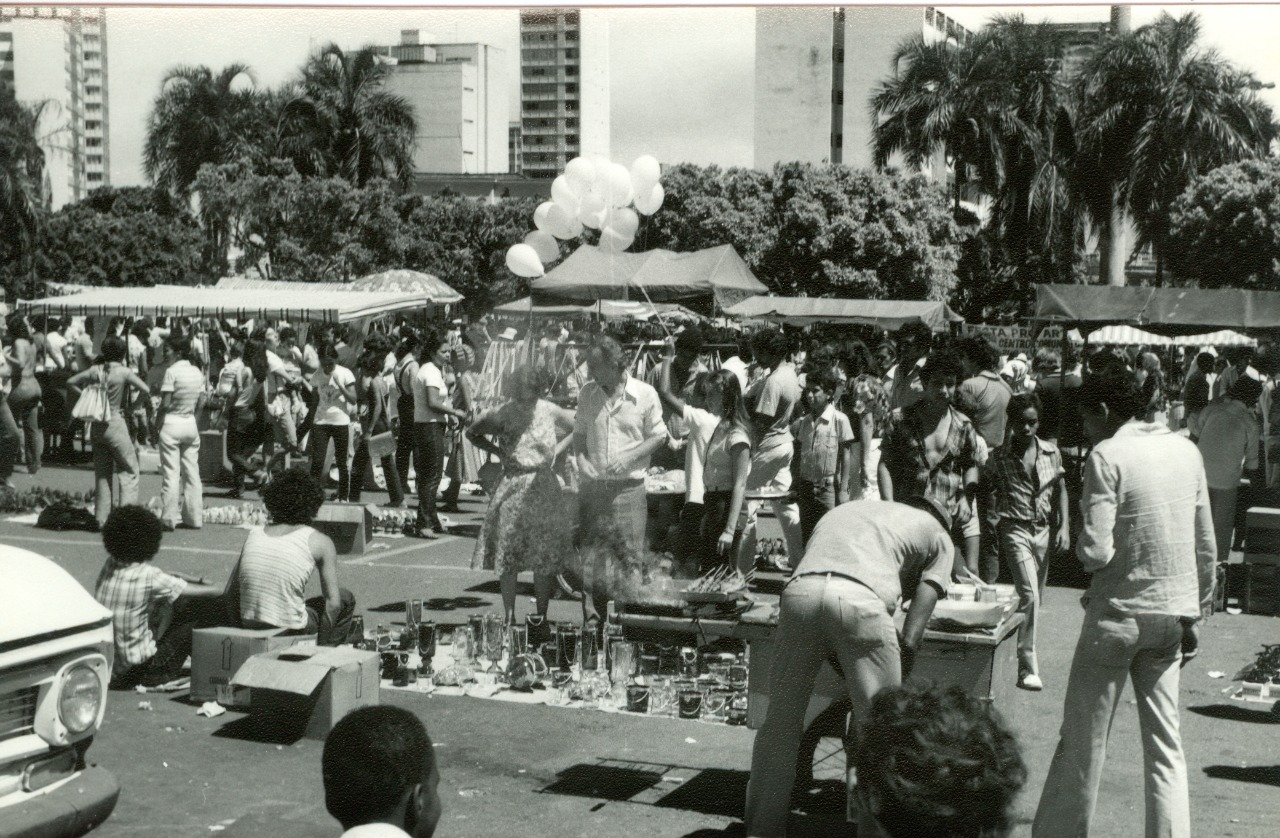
{"x":534,"y":770}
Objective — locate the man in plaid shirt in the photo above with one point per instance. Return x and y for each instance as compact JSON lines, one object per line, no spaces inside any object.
{"x":142,"y":598}
{"x":1024,"y":477}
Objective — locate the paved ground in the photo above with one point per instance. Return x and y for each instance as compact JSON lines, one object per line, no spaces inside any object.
{"x":523,"y":770}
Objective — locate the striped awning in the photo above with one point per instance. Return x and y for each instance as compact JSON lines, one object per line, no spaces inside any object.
{"x":242,"y":304}
{"x":1132,"y":336}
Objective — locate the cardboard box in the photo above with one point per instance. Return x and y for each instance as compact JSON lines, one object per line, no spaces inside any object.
{"x":350,"y":525}
{"x":309,"y":689}
{"x":217,"y":653}
{"x":1262,"y":536}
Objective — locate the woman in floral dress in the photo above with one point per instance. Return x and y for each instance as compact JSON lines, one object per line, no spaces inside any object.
{"x":528,"y":525}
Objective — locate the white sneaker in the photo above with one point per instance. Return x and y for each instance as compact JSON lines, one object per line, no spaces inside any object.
{"x":1030,"y":681}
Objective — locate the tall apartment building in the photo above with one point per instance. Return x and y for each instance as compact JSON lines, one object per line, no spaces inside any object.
{"x":564,"y":87}
{"x":60,"y":55}
{"x":460,"y":100}
{"x":515,"y":148}
{"x":816,"y":69}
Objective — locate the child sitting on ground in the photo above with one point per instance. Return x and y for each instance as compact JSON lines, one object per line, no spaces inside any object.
{"x":152,"y":634}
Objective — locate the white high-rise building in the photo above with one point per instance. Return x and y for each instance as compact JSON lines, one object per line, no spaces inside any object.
{"x":59,"y":54}
{"x":564,"y":87}
{"x":816,"y":70}
{"x":460,"y":100}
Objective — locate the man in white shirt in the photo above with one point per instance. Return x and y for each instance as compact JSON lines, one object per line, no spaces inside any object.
{"x":54,"y":358}
{"x":1227,"y":436}
{"x":380,"y":775}
{"x":617,"y":428}
{"x":740,"y":364}
{"x":1148,"y":541}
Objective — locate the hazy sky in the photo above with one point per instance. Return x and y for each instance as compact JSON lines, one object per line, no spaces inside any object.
{"x":681,"y":79}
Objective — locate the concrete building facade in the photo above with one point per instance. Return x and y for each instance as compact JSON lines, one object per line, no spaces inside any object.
{"x":59,"y":55}
{"x":816,"y":70}
{"x":564,"y":88}
{"x":460,"y":101}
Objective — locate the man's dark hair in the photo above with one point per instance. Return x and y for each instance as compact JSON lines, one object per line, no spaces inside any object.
{"x":1246,"y":389}
{"x":770,"y":342}
{"x":180,"y":345}
{"x":916,"y":333}
{"x":979,"y":352}
{"x":1204,"y":362}
{"x":933,"y":762}
{"x":1112,"y":384}
{"x":293,"y":497}
{"x":610,"y":351}
{"x":822,"y":379}
{"x":940,"y":365}
{"x":688,"y":342}
{"x":1020,"y":402}
{"x":371,"y":759}
{"x":132,"y":534}
{"x":744,"y":349}
{"x":114,"y":348}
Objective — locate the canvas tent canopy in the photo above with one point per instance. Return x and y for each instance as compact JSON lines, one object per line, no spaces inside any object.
{"x":243,"y":304}
{"x":657,"y":275}
{"x":426,"y":287}
{"x":608,"y":309}
{"x":1171,"y":311}
{"x":884,"y":314}
{"x":1132,"y":336}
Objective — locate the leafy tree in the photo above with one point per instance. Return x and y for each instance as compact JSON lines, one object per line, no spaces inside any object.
{"x":855,"y":233}
{"x":706,"y":206}
{"x":119,"y":237}
{"x":1154,"y":111}
{"x":199,"y":117}
{"x":24,"y":197}
{"x":343,"y":124}
{"x":1225,"y":229}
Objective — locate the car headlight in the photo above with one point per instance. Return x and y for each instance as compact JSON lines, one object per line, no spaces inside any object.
{"x":79,"y":699}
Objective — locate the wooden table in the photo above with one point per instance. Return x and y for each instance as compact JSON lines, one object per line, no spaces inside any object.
{"x":983,"y":664}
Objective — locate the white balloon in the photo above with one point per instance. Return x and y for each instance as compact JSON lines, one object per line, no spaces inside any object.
{"x":575,"y":228}
{"x":541,"y":215}
{"x":558,"y":222}
{"x":623,"y":221}
{"x":522,"y":260}
{"x":544,"y":244}
{"x":563,"y":193}
{"x":591,"y":212}
{"x":652,"y":202}
{"x":612,"y":241}
{"x":645,"y":172}
{"x":618,"y":192}
{"x":579,"y":174}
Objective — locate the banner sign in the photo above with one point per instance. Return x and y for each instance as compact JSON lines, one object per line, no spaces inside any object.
{"x":1015,"y":338}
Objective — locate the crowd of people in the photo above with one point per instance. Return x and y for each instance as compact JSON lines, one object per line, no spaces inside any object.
{"x":895,"y":465}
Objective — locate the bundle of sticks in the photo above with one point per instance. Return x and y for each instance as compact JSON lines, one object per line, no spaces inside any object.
{"x":721,"y":580}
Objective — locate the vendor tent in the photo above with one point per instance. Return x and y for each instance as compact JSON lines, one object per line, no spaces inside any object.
{"x":245,"y":304}
{"x":1161,"y":310}
{"x":884,"y":314}
{"x":658,"y":275}
{"x":426,"y":287}
{"x":608,"y":309}
{"x":1131,"y":336}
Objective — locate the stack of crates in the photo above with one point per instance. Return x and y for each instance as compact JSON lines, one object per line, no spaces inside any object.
{"x":1261,"y":588}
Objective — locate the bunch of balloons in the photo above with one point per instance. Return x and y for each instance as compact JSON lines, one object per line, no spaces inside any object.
{"x":591,"y":193}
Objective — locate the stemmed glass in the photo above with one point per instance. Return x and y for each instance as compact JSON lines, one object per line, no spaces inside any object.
{"x":494,"y":635}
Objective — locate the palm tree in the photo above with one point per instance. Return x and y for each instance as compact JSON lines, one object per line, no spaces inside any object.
{"x":200,"y":118}
{"x":24,"y":197}
{"x":344,"y":124}
{"x":1155,"y":111}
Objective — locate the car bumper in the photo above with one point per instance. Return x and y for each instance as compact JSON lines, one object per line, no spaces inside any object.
{"x":71,"y":809}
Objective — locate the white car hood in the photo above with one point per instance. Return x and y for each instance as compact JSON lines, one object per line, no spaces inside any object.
{"x":39,"y":598}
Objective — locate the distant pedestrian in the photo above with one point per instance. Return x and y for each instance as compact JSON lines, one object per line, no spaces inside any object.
{"x":824,"y":438}
{"x":1227,"y":435}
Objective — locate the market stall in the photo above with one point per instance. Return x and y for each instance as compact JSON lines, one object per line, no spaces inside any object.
{"x":882,"y":314}
{"x":1166,"y":311}
{"x":656,"y":276}
{"x":605,"y":309}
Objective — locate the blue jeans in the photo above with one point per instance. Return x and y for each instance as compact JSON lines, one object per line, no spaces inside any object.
{"x":1112,"y":649}
{"x":113,"y":457}
{"x":820,"y":616}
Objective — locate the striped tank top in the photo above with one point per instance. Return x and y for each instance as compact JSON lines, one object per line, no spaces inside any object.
{"x":273,"y":577}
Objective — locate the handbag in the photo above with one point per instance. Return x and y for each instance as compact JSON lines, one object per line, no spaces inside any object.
{"x":93,"y":404}
{"x":382,"y":445}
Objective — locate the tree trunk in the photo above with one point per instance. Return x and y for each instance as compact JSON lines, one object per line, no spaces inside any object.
{"x":1117,"y":252}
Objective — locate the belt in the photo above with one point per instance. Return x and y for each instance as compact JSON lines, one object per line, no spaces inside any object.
{"x":829,"y":576}
{"x":616,"y":481}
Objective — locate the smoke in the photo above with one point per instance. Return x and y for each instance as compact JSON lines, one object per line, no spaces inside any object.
{"x":613,"y":567}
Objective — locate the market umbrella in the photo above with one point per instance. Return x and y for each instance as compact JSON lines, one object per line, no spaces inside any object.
{"x":404,"y":281}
